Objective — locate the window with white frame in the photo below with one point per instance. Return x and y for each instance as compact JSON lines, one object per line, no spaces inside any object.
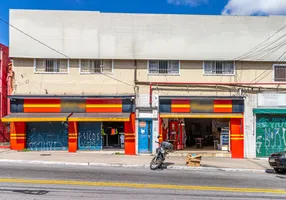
{"x":219,"y":68}
{"x":167,"y":67}
{"x":51,"y":65}
{"x":96,"y":66}
{"x":279,"y":73}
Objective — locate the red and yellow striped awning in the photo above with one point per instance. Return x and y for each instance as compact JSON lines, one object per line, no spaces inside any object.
{"x":36,"y":117}
{"x":100,"y":117}
{"x":202,"y":115}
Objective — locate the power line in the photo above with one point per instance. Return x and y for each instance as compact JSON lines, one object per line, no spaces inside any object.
{"x":28,"y":35}
{"x":266,"y":49}
{"x":269,"y":68}
{"x":260,"y":44}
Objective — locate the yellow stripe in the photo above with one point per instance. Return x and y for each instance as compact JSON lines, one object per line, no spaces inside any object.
{"x":17,"y":134}
{"x":72,"y":137}
{"x":144,"y":186}
{"x":17,"y":138}
{"x":236,"y":135}
{"x":129,"y":134}
{"x":42,"y":105}
{"x":200,"y":116}
{"x":52,"y":119}
{"x":180,"y":106}
{"x":236,"y":138}
{"x":103,"y":105}
{"x":222,"y":106}
{"x":129,"y":138}
{"x":99,"y":119}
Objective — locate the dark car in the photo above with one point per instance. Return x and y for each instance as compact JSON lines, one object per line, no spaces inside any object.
{"x":278,"y":162}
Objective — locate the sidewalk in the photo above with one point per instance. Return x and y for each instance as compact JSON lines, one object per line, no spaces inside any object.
{"x":95,"y":159}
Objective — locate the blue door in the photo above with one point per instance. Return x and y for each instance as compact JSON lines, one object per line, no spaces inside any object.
{"x":50,"y":136}
{"x":145,"y":136}
{"x":89,"y":136}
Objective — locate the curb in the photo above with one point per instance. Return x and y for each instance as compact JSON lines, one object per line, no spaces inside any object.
{"x":175,"y":167}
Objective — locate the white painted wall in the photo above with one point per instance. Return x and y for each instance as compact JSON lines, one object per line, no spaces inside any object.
{"x":249,"y":126}
{"x":85,"y":34}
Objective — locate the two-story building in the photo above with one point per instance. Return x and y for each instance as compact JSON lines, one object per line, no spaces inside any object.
{"x":93,"y":81}
{"x":4,"y":62}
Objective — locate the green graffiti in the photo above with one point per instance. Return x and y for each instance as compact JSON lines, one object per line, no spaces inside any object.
{"x":270,"y":135}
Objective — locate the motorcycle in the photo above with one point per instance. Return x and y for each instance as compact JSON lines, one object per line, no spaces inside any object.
{"x":161,"y":152}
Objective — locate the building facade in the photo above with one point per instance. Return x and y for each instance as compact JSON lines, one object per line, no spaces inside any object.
{"x":104,"y":80}
{"x":4,"y":62}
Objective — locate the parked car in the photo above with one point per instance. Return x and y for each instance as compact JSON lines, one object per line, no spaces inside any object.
{"x":278,"y":162}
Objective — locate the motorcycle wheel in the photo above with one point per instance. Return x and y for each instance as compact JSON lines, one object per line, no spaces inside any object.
{"x":156,"y":162}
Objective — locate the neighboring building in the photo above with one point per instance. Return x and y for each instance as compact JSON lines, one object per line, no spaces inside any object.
{"x":141,"y":75}
{"x":4,"y":61}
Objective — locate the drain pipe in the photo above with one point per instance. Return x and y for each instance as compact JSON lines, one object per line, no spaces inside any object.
{"x":150,"y":94}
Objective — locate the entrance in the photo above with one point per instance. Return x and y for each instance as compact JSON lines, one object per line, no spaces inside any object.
{"x":113,"y":135}
{"x":43,"y":136}
{"x":89,"y":136}
{"x":145,"y":136}
{"x":270,"y":134}
{"x":198,"y":133}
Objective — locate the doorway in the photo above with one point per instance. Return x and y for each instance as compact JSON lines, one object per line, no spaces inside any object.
{"x":145,"y":136}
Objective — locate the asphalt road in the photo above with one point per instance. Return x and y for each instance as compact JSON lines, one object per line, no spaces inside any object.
{"x":20,"y":181}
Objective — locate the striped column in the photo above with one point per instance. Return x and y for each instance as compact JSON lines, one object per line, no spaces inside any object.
{"x":129,"y":132}
{"x":17,"y":135}
{"x":236,"y":138}
{"x":73,"y":132}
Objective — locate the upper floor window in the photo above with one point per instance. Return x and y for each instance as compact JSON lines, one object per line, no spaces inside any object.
{"x":279,"y":73}
{"x":96,"y":66}
{"x":167,"y":67}
{"x":219,"y":68}
{"x":51,"y":65}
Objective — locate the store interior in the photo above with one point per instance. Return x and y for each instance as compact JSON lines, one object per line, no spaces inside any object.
{"x":197,"y":134}
{"x":113,"y":135}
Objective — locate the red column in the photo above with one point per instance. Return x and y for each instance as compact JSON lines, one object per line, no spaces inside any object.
{"x":236,"y":138}
{"x":73,"y":132}
{"x":129,"y":133}
{"x":17,"y":135}
{"x":162,"y":136}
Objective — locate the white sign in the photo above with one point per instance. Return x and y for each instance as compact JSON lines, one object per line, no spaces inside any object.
{"x":145,"y":114}
{"x":271,"y":100}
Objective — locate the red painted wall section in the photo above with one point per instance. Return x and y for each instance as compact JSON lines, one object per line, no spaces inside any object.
{"x":129,"y":132}
{"x":73,"y":134}
{"x":4,"y":61}
{"x":17,"y":135}
{"x":237,"y":138}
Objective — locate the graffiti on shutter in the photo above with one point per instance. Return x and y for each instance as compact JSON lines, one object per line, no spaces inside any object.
{"x":270,"y":134}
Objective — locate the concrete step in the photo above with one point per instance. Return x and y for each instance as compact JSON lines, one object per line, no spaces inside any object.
{"x":223,"y":154}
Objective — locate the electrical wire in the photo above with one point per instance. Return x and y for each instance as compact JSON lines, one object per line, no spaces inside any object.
{"x":260,"y":44}
{"x":28,"y":35}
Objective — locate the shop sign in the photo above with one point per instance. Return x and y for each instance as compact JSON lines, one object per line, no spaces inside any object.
{"x":271,"y":100}
{"x":142,"y":124}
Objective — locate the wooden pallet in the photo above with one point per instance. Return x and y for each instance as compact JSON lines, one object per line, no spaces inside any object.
{"x":194,"y":161}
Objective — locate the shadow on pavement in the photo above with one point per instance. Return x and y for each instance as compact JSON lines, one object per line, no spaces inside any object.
{"x":271,"y":171}
{"x":165,"y":165}
{"x":30,"y":192}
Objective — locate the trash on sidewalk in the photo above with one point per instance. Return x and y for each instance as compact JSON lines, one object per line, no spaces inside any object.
{"x":193,"y":160}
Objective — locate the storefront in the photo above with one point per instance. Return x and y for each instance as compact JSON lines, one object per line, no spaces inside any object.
{"x":72,"y":124}
{"x":203,"y":122}
{"x":270,"y":123}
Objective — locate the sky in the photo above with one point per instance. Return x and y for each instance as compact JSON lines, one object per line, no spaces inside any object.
{"x":200,"y":7}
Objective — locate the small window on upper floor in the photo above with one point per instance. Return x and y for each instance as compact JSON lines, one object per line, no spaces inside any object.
{"x":279,"y":73}
{"x":96,"y":66}
{"x":219,"y":68}
{"x":51,"y":65}
{"x":164,"y":67}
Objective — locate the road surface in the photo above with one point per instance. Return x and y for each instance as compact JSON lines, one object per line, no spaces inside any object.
{"x":22,"y":181}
